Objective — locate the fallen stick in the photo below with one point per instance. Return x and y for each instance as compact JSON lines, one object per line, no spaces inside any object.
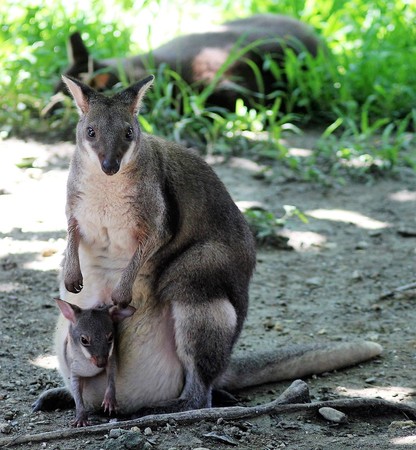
{"x":297,"y":392}
{"x":403,"y":288}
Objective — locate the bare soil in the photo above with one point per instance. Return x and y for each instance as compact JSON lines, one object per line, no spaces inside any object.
{"x":359,"y":243}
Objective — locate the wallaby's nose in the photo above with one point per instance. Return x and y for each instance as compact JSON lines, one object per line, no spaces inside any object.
{"x":110,"y":166}
{"x":100,"y":361}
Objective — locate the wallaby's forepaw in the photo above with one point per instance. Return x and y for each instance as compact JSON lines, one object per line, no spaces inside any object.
{"x":81,"y":420}
{"x":121,"y":297}
{"x":109,"y":403}
{"x":74,"y":284}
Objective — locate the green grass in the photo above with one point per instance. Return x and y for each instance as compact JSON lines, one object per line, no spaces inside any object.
{"x":362,"y":91}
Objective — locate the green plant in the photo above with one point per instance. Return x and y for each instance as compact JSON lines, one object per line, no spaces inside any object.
{"x":266,"y":226}
{"x":362,"y":84}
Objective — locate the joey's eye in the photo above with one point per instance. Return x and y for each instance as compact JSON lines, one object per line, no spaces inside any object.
{"x":129,"y":133}
{"x":91,"y":132}
{"x":85,"y":341}
{"x":110,"y":338}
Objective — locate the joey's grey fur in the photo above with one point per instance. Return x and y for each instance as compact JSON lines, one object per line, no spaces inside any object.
{"x":151,"y":225}
{"x":89,"y":350}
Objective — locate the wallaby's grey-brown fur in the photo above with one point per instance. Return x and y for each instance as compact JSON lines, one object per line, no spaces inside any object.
{"x":151,"y":225}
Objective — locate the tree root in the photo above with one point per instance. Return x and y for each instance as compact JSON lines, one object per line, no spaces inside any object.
{"x":294,"y":399}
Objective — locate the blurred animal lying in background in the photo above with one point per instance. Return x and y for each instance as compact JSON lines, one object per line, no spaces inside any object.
{"x":225,"y":58}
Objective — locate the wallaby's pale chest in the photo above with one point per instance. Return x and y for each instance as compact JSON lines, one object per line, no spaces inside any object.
{"x":107,"y":214}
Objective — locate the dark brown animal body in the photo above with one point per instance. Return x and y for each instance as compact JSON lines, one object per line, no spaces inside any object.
{"x":223,"y":56}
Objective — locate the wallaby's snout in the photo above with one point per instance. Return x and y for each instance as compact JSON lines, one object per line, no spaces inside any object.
{"x":110,"y":166}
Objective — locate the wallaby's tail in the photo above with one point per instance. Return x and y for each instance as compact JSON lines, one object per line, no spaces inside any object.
{"x":294,"y":362}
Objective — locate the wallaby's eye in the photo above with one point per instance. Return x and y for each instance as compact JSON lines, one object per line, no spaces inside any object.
{"x":110,"y":338}
{"x":91,"y":132}
{"x":129,"y":133}
{"x":84,"y":341}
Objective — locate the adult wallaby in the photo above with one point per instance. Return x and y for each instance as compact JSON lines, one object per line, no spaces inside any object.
{"x":88,"y":350}
{"x":149,"y":223}
{"x":198,"y":57}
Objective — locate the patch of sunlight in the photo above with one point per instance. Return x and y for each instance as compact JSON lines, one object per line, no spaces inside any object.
{"x":300,"y":152}
{"x":392,"y":393}
{"x":45,"y":263}
{"x":405,"y":440}
{"x":343,"y":215}
{"x":47,"y":253}
{"x":45,"y":361}
{"x":403,"y":196}
{"x":305,"y":240}
{"x":236,"y":163}
{"x":9,"y":287}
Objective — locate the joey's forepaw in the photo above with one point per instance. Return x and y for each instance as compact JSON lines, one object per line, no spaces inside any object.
{"x":81,"y":420}
{"x":109,"y":404}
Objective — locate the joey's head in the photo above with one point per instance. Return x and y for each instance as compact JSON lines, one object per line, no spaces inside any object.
{"x":92,"y":330}
{"x":108,"y":130}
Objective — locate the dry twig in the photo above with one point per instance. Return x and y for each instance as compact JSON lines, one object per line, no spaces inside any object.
{"x":405,"y":287}
{"x":294,"y":399}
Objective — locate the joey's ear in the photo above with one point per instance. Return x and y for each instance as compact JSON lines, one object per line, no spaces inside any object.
{"x":119,"y":314}
{"x":80,"y":92}
{"x":134,"y":94}
{"x":68,"y":310}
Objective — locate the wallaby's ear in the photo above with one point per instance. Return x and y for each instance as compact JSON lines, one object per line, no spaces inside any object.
{"x":68,"y":310}
{"x":77,"y":52}
{"x":134,"y":94}
{"x":118,"y":314}
{"x":80,"y":92}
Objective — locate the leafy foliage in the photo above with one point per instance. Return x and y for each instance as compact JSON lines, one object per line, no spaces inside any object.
{"x":362,"y":89}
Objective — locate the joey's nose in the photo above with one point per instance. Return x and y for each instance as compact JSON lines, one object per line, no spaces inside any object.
{"x":110,"y":166}
{"x":100,"y":361}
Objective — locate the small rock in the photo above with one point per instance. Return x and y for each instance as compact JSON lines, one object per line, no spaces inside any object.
{"x":405,"y":232}
{"x":115,"y":433}
{"x":374,"y":233}
{"x":333,"y":415}
{"x":370,"y":380}
{"x":278,"y":327}
{"x":127,"y":440}
{"x":402,"y":424}
{"x":148,"y":431}
{"x":9,"y":415}
{"x":5,"y":428}
{"x":357,"y":275}
{"x":362,"y":245}
{"x":313,"y":282}
{"x":223,"y":438}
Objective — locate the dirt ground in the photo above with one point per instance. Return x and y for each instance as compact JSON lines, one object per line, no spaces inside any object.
{"x":360,"y":241}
